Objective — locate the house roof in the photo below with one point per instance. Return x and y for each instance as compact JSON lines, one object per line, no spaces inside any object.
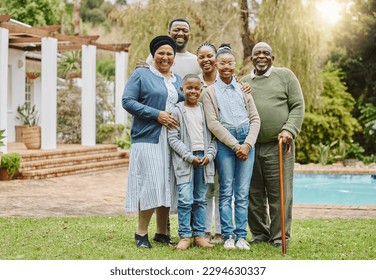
{"x":29,"y":38}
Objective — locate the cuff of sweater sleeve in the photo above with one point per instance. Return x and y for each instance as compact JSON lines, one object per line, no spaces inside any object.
{"x":155,"y":113}
{"x":236,"y":147}
{"x":190,"y":158}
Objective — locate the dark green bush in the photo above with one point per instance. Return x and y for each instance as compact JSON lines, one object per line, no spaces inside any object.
{"x":331,"y":122}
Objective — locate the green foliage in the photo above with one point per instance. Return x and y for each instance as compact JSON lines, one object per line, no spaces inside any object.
{"x":69,"y":115}
{"x":331,"y":122}
{"x":368,"y":159}
{"x":112,"y":238}
{"x":124,"y":142}
{"x":70,"y":63}
{"x":2,"y":131}
{"x":34,"y":12}
{"x":69,"y":110}
{"x":105,"y":106}
{"x":355,"y":38}
{"x":28,"y":114}
{"x":296,"y":42}
{"x":324,"y":152}
{"x":106,"y":67}
{"x":11,"y":162}
{"x":140,"y":24}
{"x":338,"y":152}
{"x":354,"y":52}
{"x":95,"y":11}
{"x":354,"y":150}
{"x":108,"y":133}
{"x":368,"y":120}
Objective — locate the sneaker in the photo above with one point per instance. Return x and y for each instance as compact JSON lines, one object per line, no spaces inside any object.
{"x":242,"y":244}
{"x":229,"y":244}
{"x":217,"y":239}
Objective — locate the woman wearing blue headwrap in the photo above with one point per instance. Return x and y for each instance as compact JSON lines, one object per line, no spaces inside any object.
{"x":149,"y":96}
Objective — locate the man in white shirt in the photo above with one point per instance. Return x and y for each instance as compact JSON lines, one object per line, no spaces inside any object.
{"x":185,"y":62}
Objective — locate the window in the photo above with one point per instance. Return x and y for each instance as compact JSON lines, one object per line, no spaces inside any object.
{"x":28,"y":90}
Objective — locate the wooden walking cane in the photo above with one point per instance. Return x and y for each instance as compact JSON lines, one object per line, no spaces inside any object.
{"x":282,"y":194}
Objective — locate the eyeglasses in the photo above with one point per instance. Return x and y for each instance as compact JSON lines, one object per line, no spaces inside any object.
{"x":223,"y":64}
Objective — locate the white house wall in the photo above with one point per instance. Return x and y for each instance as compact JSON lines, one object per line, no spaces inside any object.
{"x":16,"y":87}
{"x":4,"y":36}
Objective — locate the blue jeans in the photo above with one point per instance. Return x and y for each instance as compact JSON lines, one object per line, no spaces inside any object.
{"x":192,"y":199}
{"x":234,"y":180}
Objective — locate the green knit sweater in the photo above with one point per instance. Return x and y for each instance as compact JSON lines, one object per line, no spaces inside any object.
{"x":279,"y":101}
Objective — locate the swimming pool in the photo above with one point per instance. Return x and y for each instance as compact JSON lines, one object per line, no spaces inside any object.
{"x":334,"y":189}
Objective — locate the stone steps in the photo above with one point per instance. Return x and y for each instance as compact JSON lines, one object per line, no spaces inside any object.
{"x":49,"y":164}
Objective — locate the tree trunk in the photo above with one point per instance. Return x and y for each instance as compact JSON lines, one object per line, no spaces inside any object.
{"x":247,"y":42}
{"x":76,"y":18}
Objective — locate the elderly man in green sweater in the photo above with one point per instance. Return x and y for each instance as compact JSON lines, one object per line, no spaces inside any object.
{"x":280,"y":104}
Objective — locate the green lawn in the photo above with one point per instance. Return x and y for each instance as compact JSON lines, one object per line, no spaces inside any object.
{"x":112,"y":238}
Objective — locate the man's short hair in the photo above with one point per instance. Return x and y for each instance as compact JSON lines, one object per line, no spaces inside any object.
{"x":178,"y":19}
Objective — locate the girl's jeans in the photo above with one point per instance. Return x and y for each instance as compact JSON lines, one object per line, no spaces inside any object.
{"x":234,"y":180}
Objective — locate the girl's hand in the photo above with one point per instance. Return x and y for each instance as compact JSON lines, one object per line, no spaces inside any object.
{"x":243,"y":152}
{"x":246,"y":88}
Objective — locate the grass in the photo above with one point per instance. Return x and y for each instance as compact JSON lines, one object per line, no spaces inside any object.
{"x":112,"y":238}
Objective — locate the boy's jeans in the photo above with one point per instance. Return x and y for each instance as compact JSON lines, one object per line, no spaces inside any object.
{"x":234,"y":180}
{"x":192,"y":199}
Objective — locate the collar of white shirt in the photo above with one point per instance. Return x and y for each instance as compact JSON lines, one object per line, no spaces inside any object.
{"x":266,"y":74}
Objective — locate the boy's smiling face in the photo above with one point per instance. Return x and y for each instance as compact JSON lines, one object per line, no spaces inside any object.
{"x":192,"y":89}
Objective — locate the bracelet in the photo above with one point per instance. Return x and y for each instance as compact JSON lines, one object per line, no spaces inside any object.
{"x":249,"y":145}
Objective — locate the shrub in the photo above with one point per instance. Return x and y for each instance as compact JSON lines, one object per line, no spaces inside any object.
{"x":108,"y":133}
{"x":124,"y":142}
{"x":331,"y":122}
{"x":11,"y":162}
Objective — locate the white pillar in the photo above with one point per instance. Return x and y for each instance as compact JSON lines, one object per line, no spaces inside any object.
{"x":48,"y":109}
{"x":121,"y":74}
{"x":88,"y":95}
{"x":4,"y":44}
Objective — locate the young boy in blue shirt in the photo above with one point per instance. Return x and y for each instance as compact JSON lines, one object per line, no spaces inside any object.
{"x":193,"y":156}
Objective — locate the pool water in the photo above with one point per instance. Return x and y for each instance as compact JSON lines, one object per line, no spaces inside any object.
{"x":334,"y":189}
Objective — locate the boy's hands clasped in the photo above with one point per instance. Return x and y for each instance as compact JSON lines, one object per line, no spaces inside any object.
{"x":200,"y":161}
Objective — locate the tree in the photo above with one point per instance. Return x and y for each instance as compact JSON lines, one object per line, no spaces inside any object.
{"x":355,"y":54}
{"x":292,"y":29}
{"x":34,"y":12}
{"x":355,"y":39}
{"x":209,"y":21}
{"x":247,"y":42}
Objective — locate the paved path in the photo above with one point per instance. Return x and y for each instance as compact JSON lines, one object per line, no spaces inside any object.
{"x":102,"y":193}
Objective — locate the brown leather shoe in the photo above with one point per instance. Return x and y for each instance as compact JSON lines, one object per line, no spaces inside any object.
{"x":200,"y":241}
{"x":183,"y":244}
